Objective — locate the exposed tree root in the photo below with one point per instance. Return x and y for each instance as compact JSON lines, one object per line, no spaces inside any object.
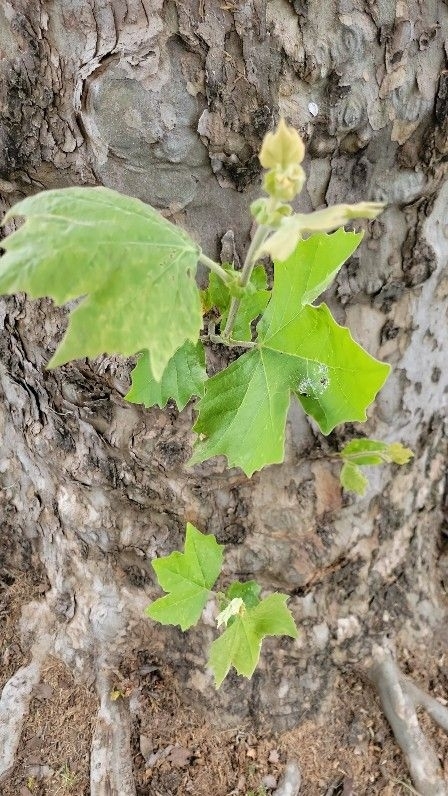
{"x":14,"y":704}
{"x":86,"y":643}
{"x":399,"y":699}
{"x":110,"y":759}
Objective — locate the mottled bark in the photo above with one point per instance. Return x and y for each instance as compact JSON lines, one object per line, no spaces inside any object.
{"x":169,"y":101}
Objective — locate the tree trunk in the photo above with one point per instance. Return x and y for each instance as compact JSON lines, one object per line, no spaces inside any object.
{"x":169,"y":101}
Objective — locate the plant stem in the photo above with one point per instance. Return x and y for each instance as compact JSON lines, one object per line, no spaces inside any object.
{"x":215,"y":267}
{"x":216,"y":338}
{"x":260,"y":236}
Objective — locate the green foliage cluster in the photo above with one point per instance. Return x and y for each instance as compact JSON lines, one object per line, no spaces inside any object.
{"x":188,"y":579}
{"x":133,"y":276}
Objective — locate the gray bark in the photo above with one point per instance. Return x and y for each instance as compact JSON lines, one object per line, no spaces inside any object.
{"x":169,"y":101}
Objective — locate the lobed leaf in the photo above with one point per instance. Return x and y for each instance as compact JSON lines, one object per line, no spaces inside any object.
{"x":240,"y":644}
{"x":183,"y":378}
{"x":188,"y":578}
{"x":133,"y":270}
{"x":364,"y":451}
{"x":398,"y":454}
{"x":301,"y":350}
{"x":243,"y":412}
{"x":319,"y":258}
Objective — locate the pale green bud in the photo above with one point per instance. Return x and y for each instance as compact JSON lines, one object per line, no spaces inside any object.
{"x":282,"y":148}
{"x":268,"y":216}
{"x":284,"y":184}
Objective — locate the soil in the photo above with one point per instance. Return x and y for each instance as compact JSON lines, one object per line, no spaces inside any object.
{"x":179,"y":750}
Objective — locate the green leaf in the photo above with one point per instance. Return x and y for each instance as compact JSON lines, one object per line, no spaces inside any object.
{"x":243,"y":412}
{"x":188,"y":578}
{"x":132,"y":269}
{"x":301,"y":349}
{"x":183,"y":377}
{"x":372,"y":451}
{"x":240,"y":644}
{"x":217,"y":293}
{"x":252,"y":303}
{"x":248,"y":591}
{"x":353,"y":479}
{"x":319,"y":258}
{"x":398,"y":453}
{"x":364,"y":451}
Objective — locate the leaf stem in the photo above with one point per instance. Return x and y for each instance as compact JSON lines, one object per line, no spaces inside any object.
{"x":354,"y":457}
{"x":216,"y":338}
{"x":215,"y":267}
{"x":260,"y":236}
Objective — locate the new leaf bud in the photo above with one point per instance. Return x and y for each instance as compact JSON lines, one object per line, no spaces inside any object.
{"x":282,"y":148}
{"x":284,"y":184}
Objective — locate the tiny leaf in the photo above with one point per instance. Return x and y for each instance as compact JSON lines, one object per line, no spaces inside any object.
{"x":353,"y":479}
{"x":232,"y":609}
{"x":248,"y":591}
{"x":372,"y":451}
{"x":281,"y":148}
{"x":398,"y":453}
{"x":240,"y":644}
{"x":364,"y":451}
{"x":188,"y":578}
{"x":253,"y":302}
{"x":183,"y":377}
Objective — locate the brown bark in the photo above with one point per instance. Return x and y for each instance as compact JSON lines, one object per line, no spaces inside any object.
{"x":169,"y":101}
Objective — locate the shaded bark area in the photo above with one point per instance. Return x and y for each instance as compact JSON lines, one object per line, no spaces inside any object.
{"x":169,"y":101}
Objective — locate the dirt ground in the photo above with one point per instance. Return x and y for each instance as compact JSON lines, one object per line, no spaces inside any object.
{"x":177,"y":749}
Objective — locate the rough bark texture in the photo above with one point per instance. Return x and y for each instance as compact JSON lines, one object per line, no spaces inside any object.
{"x":169,"y":101}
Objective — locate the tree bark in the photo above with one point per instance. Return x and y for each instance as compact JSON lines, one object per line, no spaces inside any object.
{"x":169,"y":101}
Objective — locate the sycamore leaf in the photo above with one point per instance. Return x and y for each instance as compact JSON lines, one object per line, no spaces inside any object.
{"x":252,"y":303}
{"x":133,"y":270}
{"x":243,"y":412}
{"x":319,"y":258}
{"x":240,"y":644}
{"x":188,"y":578}
{"x":353,"y":479}
{"x":183,"y":377}
{"x":301,"y":350}
{"x":281,"y":148}
{"x":217,"y":293}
